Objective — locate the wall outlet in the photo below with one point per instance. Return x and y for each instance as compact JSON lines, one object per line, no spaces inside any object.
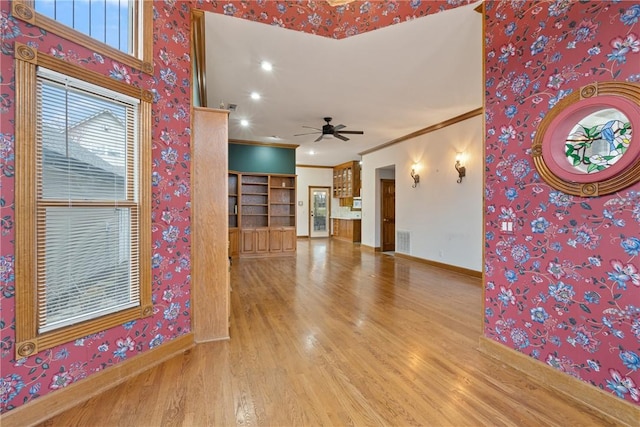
{"x":507,"y":227}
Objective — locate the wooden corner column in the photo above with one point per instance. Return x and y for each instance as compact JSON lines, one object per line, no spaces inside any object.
{"x":209,"y":225}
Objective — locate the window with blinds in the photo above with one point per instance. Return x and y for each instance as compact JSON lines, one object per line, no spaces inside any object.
{"x":82,"y":202}
{"x":86,"y":201}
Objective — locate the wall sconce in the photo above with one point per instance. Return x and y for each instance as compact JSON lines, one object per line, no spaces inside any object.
{"x":462,"y":171}
{"x":415,"y":176}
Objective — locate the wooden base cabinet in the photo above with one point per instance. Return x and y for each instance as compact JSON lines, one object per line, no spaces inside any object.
{"x":289,"y":240}
{"x":255,"y":241}
{"x":347,"y":229}
{"x":282,"y":240}
{"x":267,"y":241}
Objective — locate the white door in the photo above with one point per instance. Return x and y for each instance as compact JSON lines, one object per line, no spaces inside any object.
{"x":319,"y":209}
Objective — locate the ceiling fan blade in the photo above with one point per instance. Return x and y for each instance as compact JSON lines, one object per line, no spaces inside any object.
{"x":335,"y":128}
{"x":310,"y":133}
{"x":319,"y":138}
{"x":309,"y":127}
{"x":337,"y":135}
{"x":353,"y":132}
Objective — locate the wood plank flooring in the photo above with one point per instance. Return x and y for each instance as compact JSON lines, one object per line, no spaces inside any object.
{"x":338,"y":337}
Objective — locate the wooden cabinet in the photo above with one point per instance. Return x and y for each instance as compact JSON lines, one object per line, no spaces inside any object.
{"x":254,"y":241}
{"x":346,"y":180}
{"x":248,"y":241}
{"x":234,"y":242}
{"x":254,"y":201}
{"x":233,"y":200}
{"x":289,"y":239}
{"x":262,"y":240}
{"x":265,"y":214}
{"x":347,"y":229}
{"x":275,"y":240}
{"x":282,"y":201}
{"x":282,"y":239}
{"x":234,"y":236}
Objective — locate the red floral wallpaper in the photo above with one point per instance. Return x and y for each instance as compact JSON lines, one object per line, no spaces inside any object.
{"x":318,"y":17}
{"x":26,"y":379}
{"x":564,"y":286}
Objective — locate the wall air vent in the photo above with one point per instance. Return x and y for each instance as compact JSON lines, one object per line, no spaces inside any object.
{"x":403,"y":241}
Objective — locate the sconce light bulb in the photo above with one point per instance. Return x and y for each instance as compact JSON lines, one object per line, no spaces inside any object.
{"x":416,"y":178}
{"x":462,"y":171}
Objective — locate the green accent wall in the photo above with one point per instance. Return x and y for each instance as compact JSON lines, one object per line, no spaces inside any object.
{"x":262,"y":159}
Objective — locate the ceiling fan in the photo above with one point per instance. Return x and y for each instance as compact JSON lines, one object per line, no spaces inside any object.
{"x":329,"y":130}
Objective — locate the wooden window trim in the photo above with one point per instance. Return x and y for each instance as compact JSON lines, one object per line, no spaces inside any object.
{"x":28,"y":340}
{"x":24,"y":10}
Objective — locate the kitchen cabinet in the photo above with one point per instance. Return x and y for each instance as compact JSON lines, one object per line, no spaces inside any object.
{"x":346,"y":180}
{"x":348,"y":229}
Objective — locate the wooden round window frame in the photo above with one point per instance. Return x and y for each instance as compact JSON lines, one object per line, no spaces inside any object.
{"x":549,"y":142}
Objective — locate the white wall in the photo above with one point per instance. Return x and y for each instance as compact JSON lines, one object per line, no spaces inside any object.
{"x":310,"y":177}
{"x":444,"y":218}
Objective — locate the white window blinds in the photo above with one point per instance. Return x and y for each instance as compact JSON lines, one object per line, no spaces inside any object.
{"x":87,"y":202}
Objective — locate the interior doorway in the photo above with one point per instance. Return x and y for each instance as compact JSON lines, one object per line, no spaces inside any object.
{"x":388,"y":214}
{"x":319,"y":211}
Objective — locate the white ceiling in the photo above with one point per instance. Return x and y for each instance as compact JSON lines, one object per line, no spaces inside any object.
{"x":389,"y":82}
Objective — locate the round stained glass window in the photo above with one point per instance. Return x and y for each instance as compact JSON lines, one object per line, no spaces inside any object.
{"x":598,"y":140}
{"x":585,"y":144}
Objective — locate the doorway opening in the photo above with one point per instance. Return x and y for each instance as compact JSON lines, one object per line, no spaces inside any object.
{"x":388,"y":215}
{"x":319,"y":211}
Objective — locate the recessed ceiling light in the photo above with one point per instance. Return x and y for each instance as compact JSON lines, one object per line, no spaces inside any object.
{"x":266,"y":66}
{"x":244,"y":122}
{"x":255,"y":95}
{"x":312,"y":152}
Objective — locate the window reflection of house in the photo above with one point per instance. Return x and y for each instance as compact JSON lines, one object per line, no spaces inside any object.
{"x":106,"y":127}
{"x":76,"y":158}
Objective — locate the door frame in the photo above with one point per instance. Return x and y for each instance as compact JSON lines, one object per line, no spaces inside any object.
{"x":310,"y":201}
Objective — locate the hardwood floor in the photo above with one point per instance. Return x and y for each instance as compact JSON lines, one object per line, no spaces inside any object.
{"x":338,"y":337}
